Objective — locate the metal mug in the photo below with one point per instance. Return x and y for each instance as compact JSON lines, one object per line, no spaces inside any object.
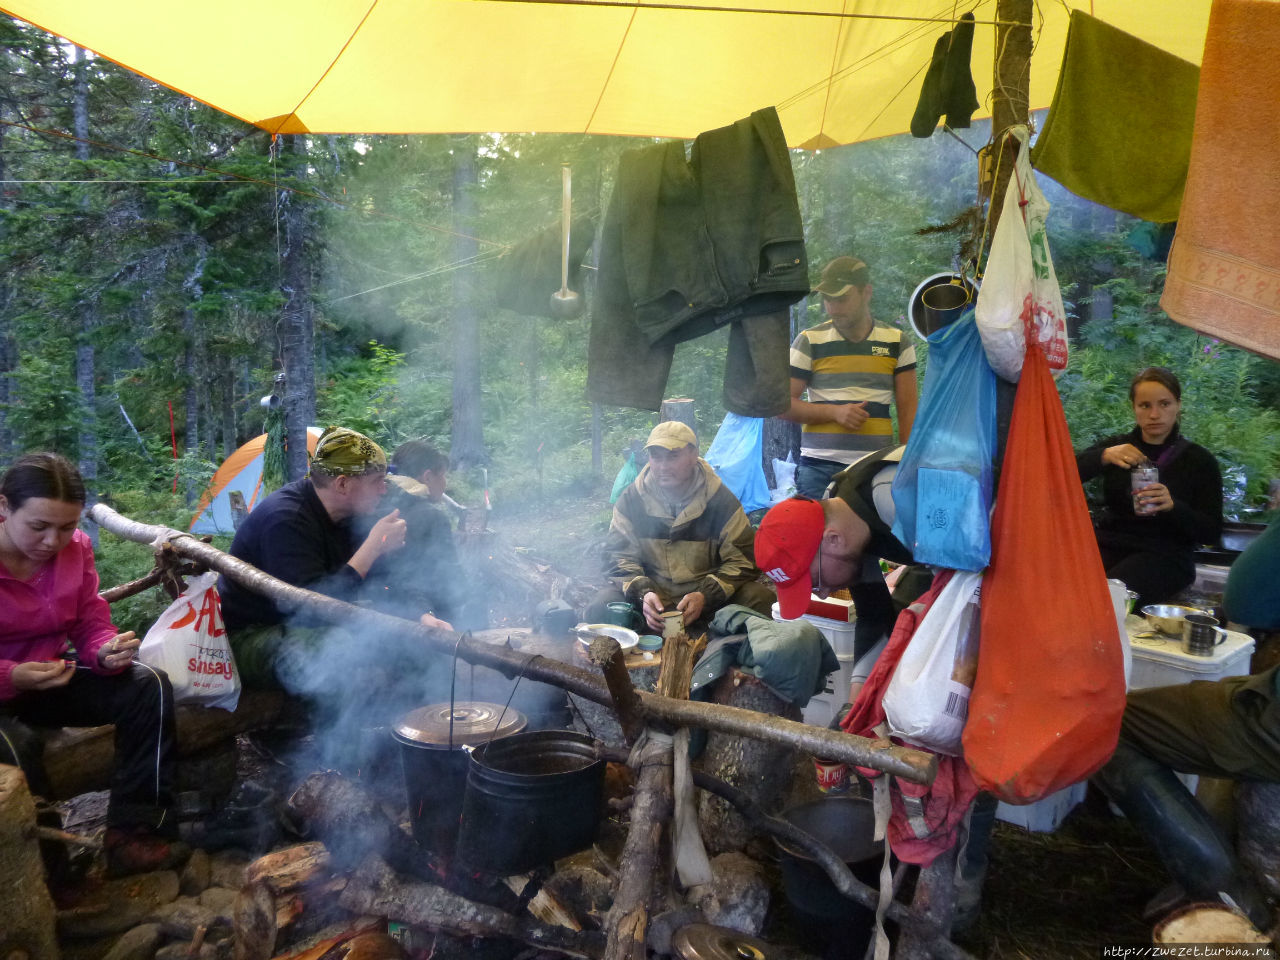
{"x":1201,"y":634}
{"x":622,"y":614}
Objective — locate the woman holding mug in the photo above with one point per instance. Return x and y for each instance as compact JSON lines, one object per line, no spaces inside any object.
{"x":63,"y":663}
{"x":1151,"y":527}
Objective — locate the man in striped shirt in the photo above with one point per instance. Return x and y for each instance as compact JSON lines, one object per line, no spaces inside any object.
{"x":853,"y":369}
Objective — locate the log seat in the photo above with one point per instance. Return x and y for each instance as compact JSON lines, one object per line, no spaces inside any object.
{"x":79,"y":759}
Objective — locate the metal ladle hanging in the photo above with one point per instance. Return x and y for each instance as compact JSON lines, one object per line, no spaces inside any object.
{"x":565,"y":303}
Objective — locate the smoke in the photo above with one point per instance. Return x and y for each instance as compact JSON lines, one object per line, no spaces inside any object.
{"x":360,"y":684}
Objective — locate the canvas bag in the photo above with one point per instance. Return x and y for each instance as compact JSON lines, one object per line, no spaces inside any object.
{"x":1020,"y":302}
{"x":189,"y":643}
{"x":942,"y":490}
{"x":1046,"y":704}
{"x":927,"y":701}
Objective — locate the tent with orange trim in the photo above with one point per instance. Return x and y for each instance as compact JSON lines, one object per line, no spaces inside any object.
{"x":241,"y":471}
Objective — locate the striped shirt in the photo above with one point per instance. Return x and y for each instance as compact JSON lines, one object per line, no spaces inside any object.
{"x":836,"y":370}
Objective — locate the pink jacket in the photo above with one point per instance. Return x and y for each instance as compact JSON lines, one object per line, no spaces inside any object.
{"x":60,"y":602}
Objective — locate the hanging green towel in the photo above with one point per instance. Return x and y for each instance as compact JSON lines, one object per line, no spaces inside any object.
{"x":1119,"y":129}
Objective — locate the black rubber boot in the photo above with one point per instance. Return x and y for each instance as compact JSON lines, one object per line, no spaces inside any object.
{"x":1180,"y":830}
{"x":972,"y":862}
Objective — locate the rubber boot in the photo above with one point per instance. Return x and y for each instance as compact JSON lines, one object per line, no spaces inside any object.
{"x":972,"y":861}
{"x":1186,"y":837}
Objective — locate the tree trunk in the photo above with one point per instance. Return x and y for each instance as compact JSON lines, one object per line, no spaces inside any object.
{"x":191,"y":398}
{"x":467,"y":448}
{"x":682,"y":409}
{"x":1011,"y":85}
{"x":87,"y":443}
{"x":1008,"y":109}
{"x":8,"y":349}
{"x":227,"y":385}
{"x":297,"y":330}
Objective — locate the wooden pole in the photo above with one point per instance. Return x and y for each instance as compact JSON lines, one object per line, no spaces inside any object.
{"x":627,"y":923}
{"x":1011,"y":91}
{"x":881,"y":755}
{"x":606,"y":654}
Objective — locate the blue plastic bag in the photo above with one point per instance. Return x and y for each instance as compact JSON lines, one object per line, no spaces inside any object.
{"x":737,"y":456}
{"x":942,"y":491}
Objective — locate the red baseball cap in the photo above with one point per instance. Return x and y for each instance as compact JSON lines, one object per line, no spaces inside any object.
{"x":786,"y":543}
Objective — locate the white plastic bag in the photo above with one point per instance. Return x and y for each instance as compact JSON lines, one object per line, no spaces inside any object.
{"x":927,"y":700}
{"x":784,"y":475}
{"x":1020,"y":301}
{"x":189,"y":643}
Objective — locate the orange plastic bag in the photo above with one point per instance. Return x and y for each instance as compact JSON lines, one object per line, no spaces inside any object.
{"x":1046,"y":704}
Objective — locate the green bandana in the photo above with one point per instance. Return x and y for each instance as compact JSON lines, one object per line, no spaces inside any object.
{"x":343,"y":451}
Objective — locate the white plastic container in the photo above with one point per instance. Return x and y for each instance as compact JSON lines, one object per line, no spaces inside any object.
{"x":1160,"y":661}
{"x":1045,"y":814}
{"x":835,"y":694}
{"x":822,"y":708}
{"x":839,"y":633}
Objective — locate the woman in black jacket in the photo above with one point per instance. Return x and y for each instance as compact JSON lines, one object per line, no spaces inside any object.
{"x":1147,"y":536}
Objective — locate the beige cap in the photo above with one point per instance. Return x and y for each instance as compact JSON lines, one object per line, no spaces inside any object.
{"x":673,"y":435}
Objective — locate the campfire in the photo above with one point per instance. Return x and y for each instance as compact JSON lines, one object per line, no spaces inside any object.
{"x":501,"y":868}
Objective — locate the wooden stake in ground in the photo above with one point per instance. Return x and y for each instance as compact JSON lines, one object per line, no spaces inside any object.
{"x":627,"y":923}
{"x":26,"y":911}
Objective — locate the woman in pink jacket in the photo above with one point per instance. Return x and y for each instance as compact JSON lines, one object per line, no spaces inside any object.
{"x":63,"y":663}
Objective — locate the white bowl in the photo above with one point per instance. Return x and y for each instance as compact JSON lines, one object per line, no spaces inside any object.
{"x":587,"y":631}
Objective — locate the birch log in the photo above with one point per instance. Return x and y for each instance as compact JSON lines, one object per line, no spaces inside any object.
{"x":911,"y":765}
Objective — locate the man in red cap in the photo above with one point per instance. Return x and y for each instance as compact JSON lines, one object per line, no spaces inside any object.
{"x":810,"y":546}
{"x":854,"y":370}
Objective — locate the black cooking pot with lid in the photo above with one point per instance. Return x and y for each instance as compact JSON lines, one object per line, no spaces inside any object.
{"x":431,"y":742}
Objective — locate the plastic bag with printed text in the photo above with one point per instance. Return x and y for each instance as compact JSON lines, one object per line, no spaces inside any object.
{"x":942,"y":490}
{"x":189,"y":643}
{"x":1020,"y":302}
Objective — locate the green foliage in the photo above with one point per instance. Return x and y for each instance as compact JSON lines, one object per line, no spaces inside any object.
{"x":120,"y":561}
{"x":1223,"y":408}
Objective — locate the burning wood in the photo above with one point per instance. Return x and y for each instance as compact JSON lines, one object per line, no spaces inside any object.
{"x":346,"y":817}
{"x":377,"y":889}
{"x":290,"y":868}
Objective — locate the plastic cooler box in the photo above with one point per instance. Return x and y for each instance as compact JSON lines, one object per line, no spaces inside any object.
{"x":1160,"y":661}
{"x":822,"y":708}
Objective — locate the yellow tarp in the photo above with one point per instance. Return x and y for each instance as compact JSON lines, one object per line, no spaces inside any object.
{"x":835,"y":74}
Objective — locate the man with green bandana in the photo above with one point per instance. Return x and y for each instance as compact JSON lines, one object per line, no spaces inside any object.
{"x":301,"y":534}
